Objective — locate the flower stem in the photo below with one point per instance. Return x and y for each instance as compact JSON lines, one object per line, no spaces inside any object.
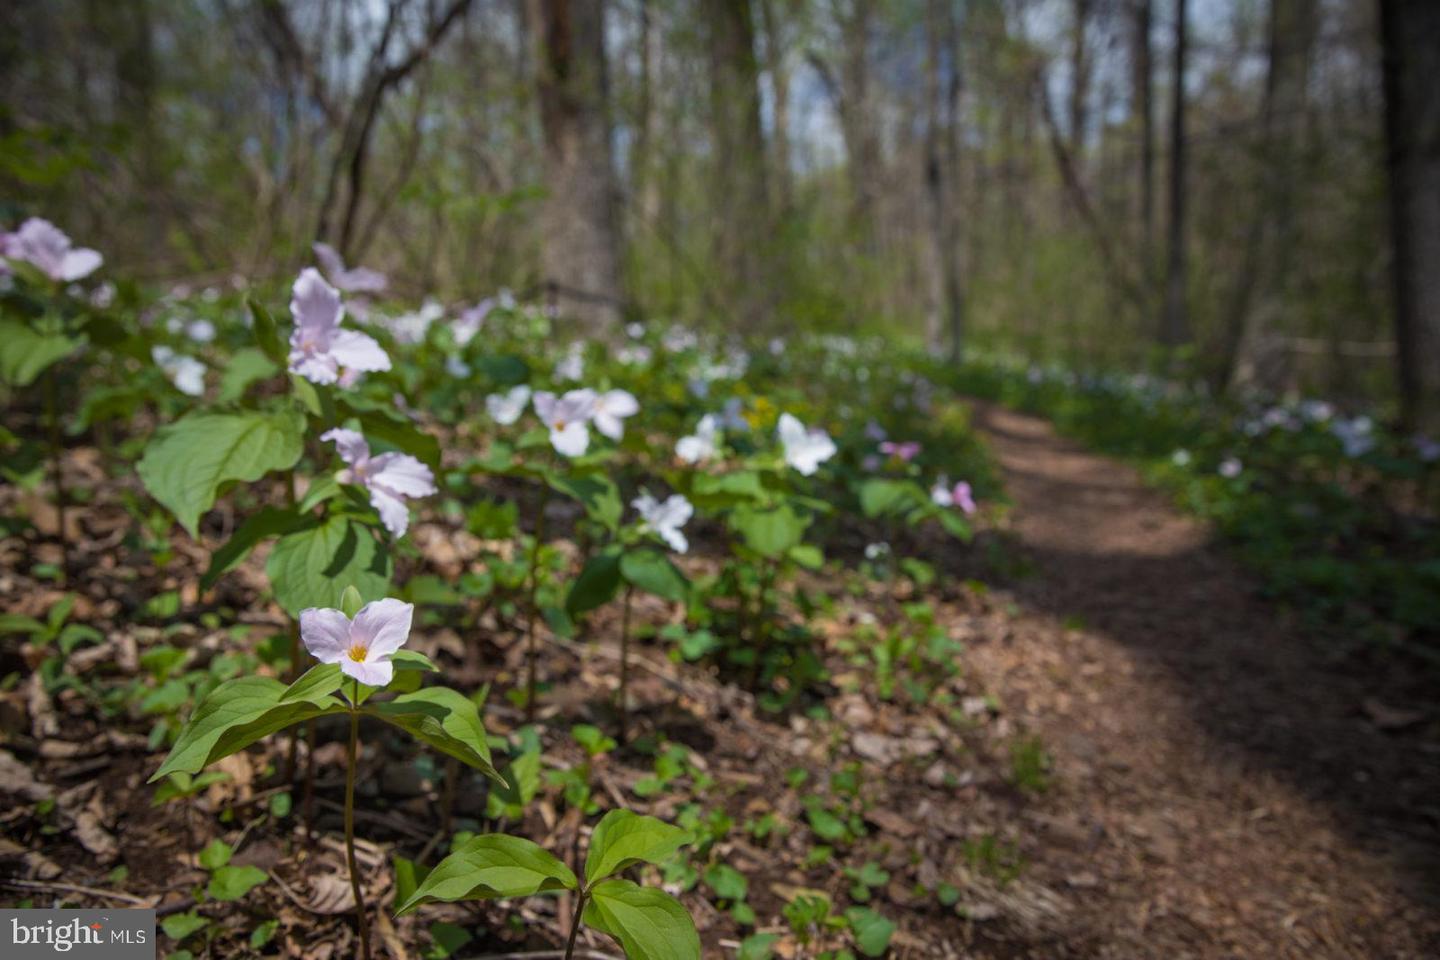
{"x":531,"y":653}
{"x":580,"y":898}
{"x":351,"y":759}
{"x":622,"y":703}
{"x":52,"y":416}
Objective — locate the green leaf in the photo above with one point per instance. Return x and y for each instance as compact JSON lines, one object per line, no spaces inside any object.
{"x":311,"y":567}
{"x":741,"y":485}
{"x":596,"y":584}
{"x":652,"y":571}
{"x":25,"y":354}
{"x":758,"y":946}
{"x":264,"y":933}
{"x":269,"y":522}
{"x":622,"y":838}
{"x":18,"y":623}
{"x":267,"y":335}
{"x":413,"y":660}
{"x":770,"y":533}
{"x":872,"y":930}
{"x":595,"y":491}
{"x":490,"y":867}
{"x":444,"y":719}
{"x":234,"y":715}
{"x":879,"y":496}
{"x":650,"y":924}
{"x":246,"y":366}
{"x":232,"y":883}
{"x":317,"y":682}
{"x":727,"y":882}
{"x":408,"y":876}
{"x":187,"y":462}
{"x":351,"y":602}
{"x":322,"y":488}
{"x":392,"y":428}
{"x":807,"y":555}
{"x":181,"y":925}
{"x":216,"y":854}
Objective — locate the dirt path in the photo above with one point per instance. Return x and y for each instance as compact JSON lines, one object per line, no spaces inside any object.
{"x":1222,"y":791}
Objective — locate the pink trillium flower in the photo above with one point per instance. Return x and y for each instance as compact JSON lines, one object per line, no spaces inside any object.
{"x":390,"y":478}
{"x":903,"y":451}
{"x":45,"y":246}
{"x":960,"y":495}
{"x":318,"y":347}
{"x":363,"y":646}
{"x":567,"y":417}
{"x":352,"y":280}
{"x":611,"y":409}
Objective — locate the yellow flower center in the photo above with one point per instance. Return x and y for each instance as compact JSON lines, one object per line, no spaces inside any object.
{"x":357,"y":653}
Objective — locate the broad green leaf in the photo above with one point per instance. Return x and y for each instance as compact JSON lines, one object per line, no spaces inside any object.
{"x":741,"y":485}
{"x":652,"y":571}
{"x":491,"y":867}
{"x":187,"y":462}
{"x":444,"y":719}
{"x":506,"y":369}
{"x":955,"y":525}
{"x":25,"y":354}
{"x":322,"y":488}
{"x":879,"y":497}
{"x":522,"y":777}
{"x":267,"y":335}
{"x":319,"y":681}
{"x":758,"y":946}
{"x":650,"y":924}
{"x":19,"y":623}
{"x":596,"y":584}
{"x":770,"y":533}
{"x":246,"y":366}
{"x":232,"y":883}
{"x":872,"y":930}
{"x":807,"y":555}
{"x":413,"y":660}
{"x":182,"y":925}
{"x":234,"y":715}
{"x":622,"y":838}
{"x":269,"y":522}
{"x":311,"y":567}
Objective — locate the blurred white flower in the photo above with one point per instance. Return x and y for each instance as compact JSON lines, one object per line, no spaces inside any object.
{"x":1181,"y":458}
{"x":353,"y":280}
{"x":505,"y":408}
{"x":567,"y":417}
{"x":187,"y":373}
{"x":665,"y":519}
{"x":805,"y":449}
{"x":572,"y":366}
{"x":611,"y":409}
{"x":702,"y":444}
{"x":1230,"y":468}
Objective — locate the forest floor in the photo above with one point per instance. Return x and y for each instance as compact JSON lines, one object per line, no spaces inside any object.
{"x":1136,"y":757}
{"x":1222,"y":790}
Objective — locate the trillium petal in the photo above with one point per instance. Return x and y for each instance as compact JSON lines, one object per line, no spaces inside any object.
{"x":544,"y":404}
{"x":383,"y":626}
{"x":572,"y":440}
{"x":374,"y":673}
{"x":675,"y":539}
{"x":611,"y":426}
{"x":317,"y":368}
{"x":358,"y":351}
{"x":329,"y":259}
{"x":402,"y":474}
{"x":619,"y":403}
{"x":316,"y":307}
{"x":350,"y":444}
{"x":325,"y":633}
{"x":394,"y":513}
{"x":693,"y":449}
{"x":79,"y":263}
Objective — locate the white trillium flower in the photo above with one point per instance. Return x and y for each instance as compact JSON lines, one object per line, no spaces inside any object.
{"x":187,"y":373}
{"x":390,"y":478}
{"x":805,"y":449}
{"x":567,"y":417}
{"x":364,"y":646}
{"x":703,"y":444}
{"x":506,"y":408}
{"x":457,"y":368}
{"x":665,"y":519}
{"x":200,"y":331}
{"x":1230,"y":468}
{"x":41,"y":244}
{"x":611,"y":409}
{"x":318,"y":347}
{"x":410,"y":328}
{"x":351,"y":280}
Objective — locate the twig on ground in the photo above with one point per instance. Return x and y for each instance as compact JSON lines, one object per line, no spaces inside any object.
{"x":76,"y":888}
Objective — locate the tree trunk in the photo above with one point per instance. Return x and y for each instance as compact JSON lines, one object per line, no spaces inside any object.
{"x":580,"y":254}
{"x":1143,"y":105}
{"x":740,"y":183}
{"x":942,"y":173}
{"x":1410,"y":39}
{"x":1264,"y":272}
{"x":1079,"y":82}
{"x":775,"y":46}
{"x":1175,"y":331}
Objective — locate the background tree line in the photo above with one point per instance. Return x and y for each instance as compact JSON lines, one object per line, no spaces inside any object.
{"x":1249,"y":186}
